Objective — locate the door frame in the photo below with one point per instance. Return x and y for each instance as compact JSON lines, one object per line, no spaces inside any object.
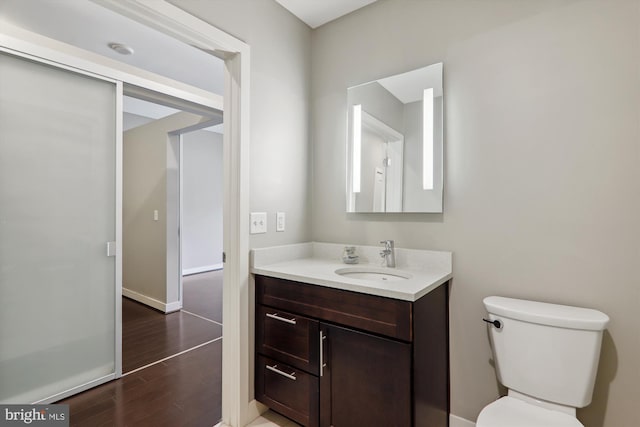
{"x":238,"y":405}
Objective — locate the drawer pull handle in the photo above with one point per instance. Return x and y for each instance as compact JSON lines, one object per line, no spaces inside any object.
{"x":282,"y":319}
{"x":274,"y":368}
{"x":322,"y":363}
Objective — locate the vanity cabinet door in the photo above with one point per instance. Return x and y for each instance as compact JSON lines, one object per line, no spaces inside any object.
{"x":366,"y":380}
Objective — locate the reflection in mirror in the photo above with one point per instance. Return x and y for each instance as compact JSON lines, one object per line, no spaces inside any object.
{"x":395,"y":143}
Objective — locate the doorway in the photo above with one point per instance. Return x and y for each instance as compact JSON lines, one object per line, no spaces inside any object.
{"x":170,"y":157}
{"x":237,"y":407}
{"x":201,"y":227}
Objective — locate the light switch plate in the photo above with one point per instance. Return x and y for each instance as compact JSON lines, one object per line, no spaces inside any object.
{"x":258,"y":222}
{"x":280,"y":217}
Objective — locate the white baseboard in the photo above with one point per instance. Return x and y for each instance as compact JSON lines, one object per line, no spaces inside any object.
{"x":151,"y":302}
{"x":455,"y":421}
{"x":196,"y":270}
{"x":173,"y":306}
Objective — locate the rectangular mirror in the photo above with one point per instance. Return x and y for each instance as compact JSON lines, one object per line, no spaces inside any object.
{"x":395,"y":143}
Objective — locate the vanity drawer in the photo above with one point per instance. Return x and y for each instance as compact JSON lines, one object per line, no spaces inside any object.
{"x":289,"y":338}
{"x":287,"y":390}
{"x":371,"y":313}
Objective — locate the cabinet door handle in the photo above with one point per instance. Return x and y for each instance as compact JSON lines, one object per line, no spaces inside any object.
{"x":322,"y":364}
{"x":274,"y":368}
{"x":282,"y":319}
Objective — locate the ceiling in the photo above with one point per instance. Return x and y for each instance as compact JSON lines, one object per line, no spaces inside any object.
{"x":89,"y":26}
{"x":318,"y":12}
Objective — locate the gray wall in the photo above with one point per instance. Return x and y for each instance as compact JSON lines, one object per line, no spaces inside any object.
{"x":280,"y":70}
{"x":542,"y":184}
{"x":378,"y":102}
{"x":201,"y":201}
{"x":373,"y":154}
{"x":145,"y":189}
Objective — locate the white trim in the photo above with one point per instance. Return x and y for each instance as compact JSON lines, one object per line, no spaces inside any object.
{"x":180,"y":217}
{"x":173,"y":306}
{"x":75,"y":390}
{"x":196,"y":270}
{"x":151,"y":302}
{"x":455,"y":421}
{"x":238,"y":405}
{"x":118,"y":236}
{"x":177,"y":23}
{"x":173,"y":263}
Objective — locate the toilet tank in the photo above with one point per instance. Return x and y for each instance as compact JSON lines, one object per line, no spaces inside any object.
{"x":546,"y":351}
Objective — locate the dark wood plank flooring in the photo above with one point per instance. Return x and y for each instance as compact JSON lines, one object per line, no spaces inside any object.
{"x":185,"y":390}
{"x":182,"y":391}
{"x":202,"y":294}
{"x":149,"y":335}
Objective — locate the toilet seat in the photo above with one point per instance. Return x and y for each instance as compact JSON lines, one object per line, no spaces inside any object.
{"x":511,"y":412}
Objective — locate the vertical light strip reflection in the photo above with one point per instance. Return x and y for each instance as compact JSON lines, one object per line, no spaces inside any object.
{"x":427,"y":140}
{"x":357,"y":146}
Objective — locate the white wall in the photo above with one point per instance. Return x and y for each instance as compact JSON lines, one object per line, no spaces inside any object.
{"x":201,"y":201}
{"x":280,"y":165}
{"x":542,"y":184}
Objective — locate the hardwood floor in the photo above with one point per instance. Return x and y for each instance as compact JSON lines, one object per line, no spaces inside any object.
{"x":185,"y":390}
{"x":203,"y":294}
{"x":182,"y":391}
{"x":148,"y":335}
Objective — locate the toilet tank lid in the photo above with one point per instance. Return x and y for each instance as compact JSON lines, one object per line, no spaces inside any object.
{"x":563,"y":316}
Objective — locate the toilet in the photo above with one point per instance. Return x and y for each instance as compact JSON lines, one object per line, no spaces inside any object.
{"x":547,"y":357}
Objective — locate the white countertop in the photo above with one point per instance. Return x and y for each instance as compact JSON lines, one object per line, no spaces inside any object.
{"x":315,"y":263}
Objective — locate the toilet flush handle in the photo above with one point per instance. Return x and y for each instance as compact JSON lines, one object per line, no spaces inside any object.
{"x":495,"y":323}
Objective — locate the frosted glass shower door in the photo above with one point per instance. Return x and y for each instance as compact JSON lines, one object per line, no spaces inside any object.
{"x":57,"y":213}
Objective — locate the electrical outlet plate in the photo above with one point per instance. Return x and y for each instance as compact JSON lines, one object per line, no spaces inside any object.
{"x":280,"y":217}
{"x":258,"y":222}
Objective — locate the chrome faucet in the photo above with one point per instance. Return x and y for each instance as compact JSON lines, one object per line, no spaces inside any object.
{"x":388,"y":253}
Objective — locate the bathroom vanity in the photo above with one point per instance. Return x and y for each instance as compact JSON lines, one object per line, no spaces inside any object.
{"x":332,"y":350}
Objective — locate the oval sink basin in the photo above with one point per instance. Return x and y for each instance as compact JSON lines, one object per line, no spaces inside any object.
{"x":373,"y":273}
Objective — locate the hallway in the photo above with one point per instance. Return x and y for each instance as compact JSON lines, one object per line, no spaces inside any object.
{"x":172,"y":365}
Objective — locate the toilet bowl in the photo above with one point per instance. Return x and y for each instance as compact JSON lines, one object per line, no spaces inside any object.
{"x":547,"y":357}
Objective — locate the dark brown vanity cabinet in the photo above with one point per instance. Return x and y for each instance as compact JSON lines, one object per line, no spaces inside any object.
{"x":328,"y":357}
